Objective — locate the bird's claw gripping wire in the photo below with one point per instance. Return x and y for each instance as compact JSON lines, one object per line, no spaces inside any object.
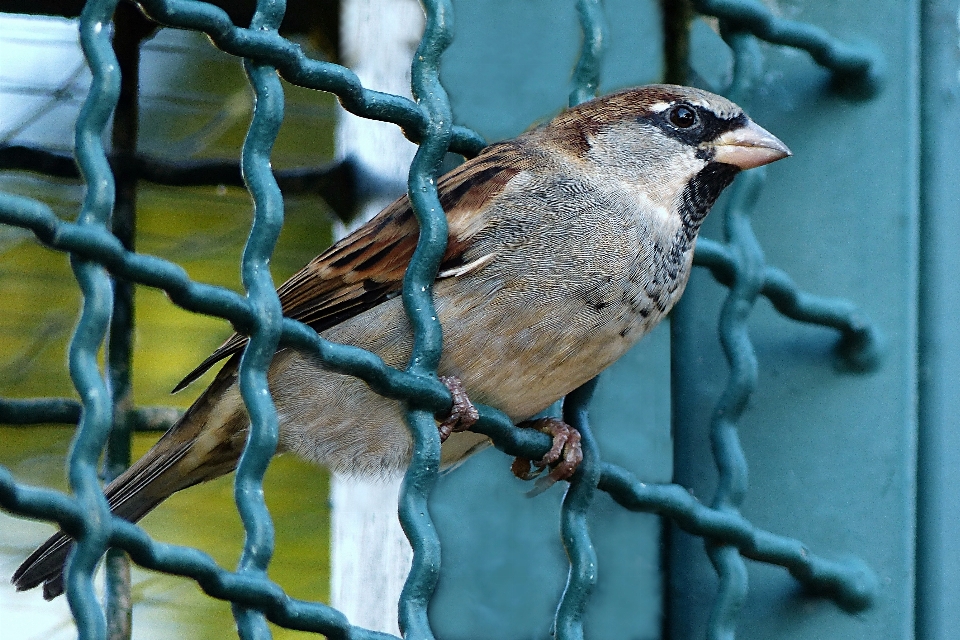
{"x":463,"y":414}
{"x":564,"y":456}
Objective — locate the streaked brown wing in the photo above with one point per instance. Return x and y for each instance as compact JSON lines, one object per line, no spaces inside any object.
{"x":366,"y":268}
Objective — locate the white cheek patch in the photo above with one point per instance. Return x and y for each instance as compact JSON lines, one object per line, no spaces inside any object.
{"x":659,"y":211}
{"x":656,"y":191}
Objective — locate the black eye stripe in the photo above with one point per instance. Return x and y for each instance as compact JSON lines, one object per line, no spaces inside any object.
{"x":708,"y":127}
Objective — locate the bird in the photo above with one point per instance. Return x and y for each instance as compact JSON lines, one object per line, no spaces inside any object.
{"x":566,"y":245}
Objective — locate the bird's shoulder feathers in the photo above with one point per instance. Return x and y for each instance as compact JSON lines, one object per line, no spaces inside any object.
{"x":366,"y":268}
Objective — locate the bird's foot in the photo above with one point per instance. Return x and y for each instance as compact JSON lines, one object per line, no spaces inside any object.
{"x":463,"y":414}
{"x":564,"y":456}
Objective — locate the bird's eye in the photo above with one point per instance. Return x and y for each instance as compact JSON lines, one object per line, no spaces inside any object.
{"x":682,"y":116}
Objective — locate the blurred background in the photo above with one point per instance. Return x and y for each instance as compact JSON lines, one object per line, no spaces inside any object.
{"x":195,"y":104}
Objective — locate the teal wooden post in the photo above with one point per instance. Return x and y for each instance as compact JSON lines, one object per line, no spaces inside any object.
{"x":831,"y":452}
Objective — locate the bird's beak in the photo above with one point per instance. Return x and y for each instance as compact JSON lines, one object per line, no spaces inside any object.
{"x":747,"y":147}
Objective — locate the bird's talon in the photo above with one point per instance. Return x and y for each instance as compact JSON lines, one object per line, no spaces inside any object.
{"x":463,"y":414}
{"x":564,"y":456}
{"x":524,"y":469}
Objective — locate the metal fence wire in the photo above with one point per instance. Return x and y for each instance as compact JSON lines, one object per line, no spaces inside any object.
{"x":100,"y":260}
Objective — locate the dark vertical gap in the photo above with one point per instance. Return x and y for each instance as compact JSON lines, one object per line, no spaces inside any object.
{"x":925,"y":621}
{"x":130,"y":30}
{"x":936,"y":563}
{"x":677,"y":16}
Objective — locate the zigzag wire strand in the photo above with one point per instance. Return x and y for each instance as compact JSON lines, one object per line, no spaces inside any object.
{"x":263,"y":434}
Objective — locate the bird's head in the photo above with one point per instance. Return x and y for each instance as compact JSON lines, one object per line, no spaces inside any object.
{"x":679,"y":146}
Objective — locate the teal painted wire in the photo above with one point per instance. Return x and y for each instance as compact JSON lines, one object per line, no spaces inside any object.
{"x":96,"y":287}
{"x":731,"y":593}
{"x":735,"y":340}
{"x":850,"y":583}
{"x":421,"y":475}
{"x":101,"y":246}
{"x":586,"y":75}
{"x":422,"y":188}
{"x":861,"y":344}
{"x":296,"y":68}
{"x":28,"y":412}
{"x":856,"y":68}
{"x":747,"y":281}
{"x":574,"y":531}
{"x":263,"y":435}
{"x":728,"y":455}
{"x":737,"y":348}
{"x":91,"y":437}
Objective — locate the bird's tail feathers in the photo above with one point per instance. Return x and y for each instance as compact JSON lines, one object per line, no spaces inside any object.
{"x":189,"y":453}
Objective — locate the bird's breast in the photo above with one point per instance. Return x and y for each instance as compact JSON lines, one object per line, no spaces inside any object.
{"x":560,"y":303}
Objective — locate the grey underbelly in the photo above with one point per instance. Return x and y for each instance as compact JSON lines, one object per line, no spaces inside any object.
{"x":338,"y":422}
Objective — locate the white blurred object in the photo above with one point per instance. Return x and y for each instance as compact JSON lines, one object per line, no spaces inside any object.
{"x":370,"y":557}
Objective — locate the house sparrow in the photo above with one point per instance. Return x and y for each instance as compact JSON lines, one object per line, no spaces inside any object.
{"x":566,"y":245}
